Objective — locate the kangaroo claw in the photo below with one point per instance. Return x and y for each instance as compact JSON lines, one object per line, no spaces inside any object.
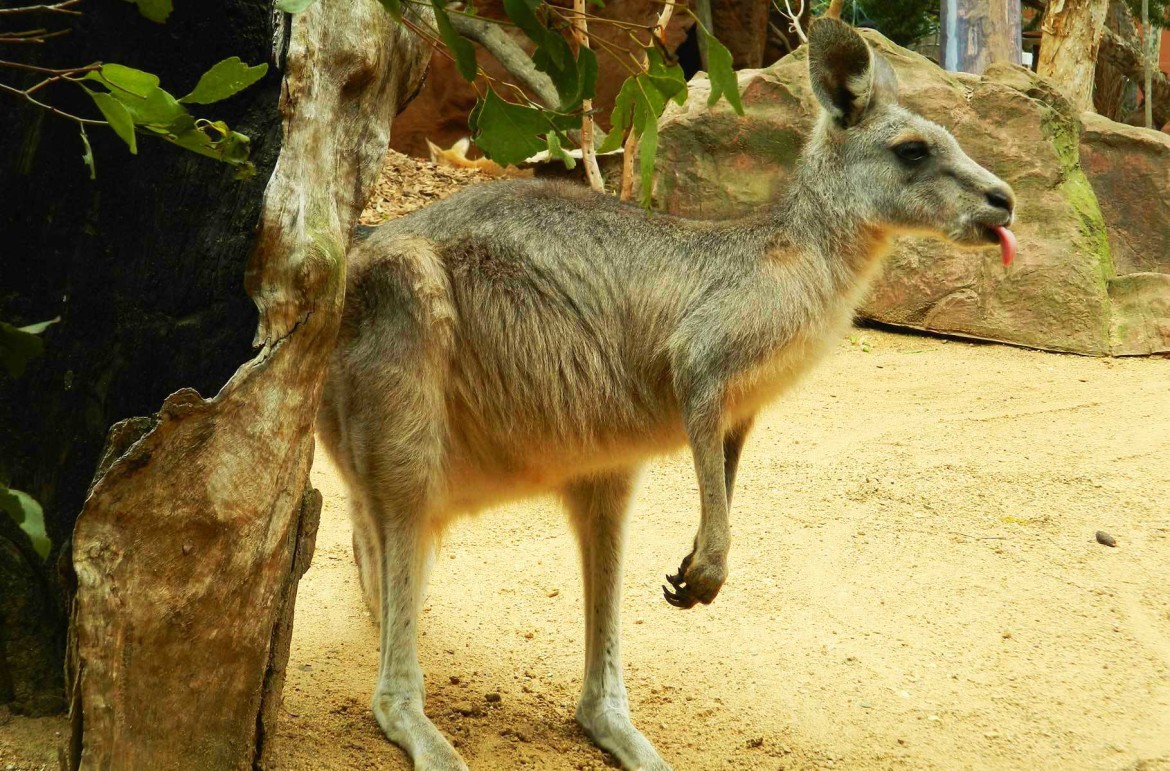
{"x":681,"y":597}
{"x":694,"y":583}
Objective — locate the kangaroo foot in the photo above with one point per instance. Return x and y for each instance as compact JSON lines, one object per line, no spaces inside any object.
{"x":610,"y":729}
{"x":404,"y":723}
{"x":697,"y":580}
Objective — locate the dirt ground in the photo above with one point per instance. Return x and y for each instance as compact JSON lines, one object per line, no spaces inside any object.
{"x":914,"y":584}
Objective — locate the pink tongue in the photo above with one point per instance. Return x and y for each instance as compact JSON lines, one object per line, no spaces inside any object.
{"x":1007,"y":244}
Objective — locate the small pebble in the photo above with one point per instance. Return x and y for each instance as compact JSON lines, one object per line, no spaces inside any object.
{"x":454,"y":679}
{"x":1105,"y":539}
{"x":492,"y":698}
{"x":467,"y":709}
{"x":756,"y":742}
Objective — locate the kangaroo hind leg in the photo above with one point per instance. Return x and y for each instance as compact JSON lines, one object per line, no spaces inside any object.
{"x":397,"y":338}
{"x":597,"y":508}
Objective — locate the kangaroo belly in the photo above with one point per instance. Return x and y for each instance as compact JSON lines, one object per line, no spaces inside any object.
{"x":511,"y":436}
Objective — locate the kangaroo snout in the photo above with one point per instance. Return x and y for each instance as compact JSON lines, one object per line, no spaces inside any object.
{"x":1001,"y":198}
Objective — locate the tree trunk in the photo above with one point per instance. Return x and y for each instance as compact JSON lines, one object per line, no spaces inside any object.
{"x":1115,"y":93}
{"x":144,"y":267}
{"x":1068,"y":48}
{"x":187,"y":549}
{"x":975,"y":33}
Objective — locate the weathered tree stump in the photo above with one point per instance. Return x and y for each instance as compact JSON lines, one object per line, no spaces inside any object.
{"x":190,"y":545}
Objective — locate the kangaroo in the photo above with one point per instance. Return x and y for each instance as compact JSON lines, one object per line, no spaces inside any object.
{"x":526,"y":337}
{"x":455,"y":157}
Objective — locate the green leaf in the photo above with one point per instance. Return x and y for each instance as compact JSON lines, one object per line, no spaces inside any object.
{"x":225,"y":79}
{"x":577,"y":83}
{"x":117,"y":77}
{"x":459,"y":46}
{"x":28,"y":516}
{"x":555,"y":150}
{"x":87,"y":155}
{"x":119,"y":118}
{"x":19,"y":345}
{"x":564,"y":77}
{"x":509,"y":133}
{"x":721,"y":74}
{"x":523,"y":13}
{"x":293,"y":6}
{"x":158,"y":109}
{"x":17,"y":348}
{"x":38,"y":328}
{"x":621,"y":116}
{"x":669,"y":82}
{"x":213,"y":140}
{"x":394,"y":8}
{"x":155,"y":10}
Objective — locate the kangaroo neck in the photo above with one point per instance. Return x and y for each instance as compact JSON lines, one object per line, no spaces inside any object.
{"x":821,"y":217}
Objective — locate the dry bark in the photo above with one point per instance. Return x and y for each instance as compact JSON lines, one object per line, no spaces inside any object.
{"x":190,"y":544}
{"x":981,"y":32}
{"x":1068,"y":48}
{"x":1126,"y":57}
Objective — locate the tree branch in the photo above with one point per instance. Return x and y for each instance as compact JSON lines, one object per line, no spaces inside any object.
{"x":509,"y":54}
{"x":31,"y":36}
{"x":27,"y":96}
{"x":588,"y":152}
{"x":65,"y":7}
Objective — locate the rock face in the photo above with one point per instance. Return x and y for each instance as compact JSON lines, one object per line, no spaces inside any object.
{"x":1129,"y":169}
{"x":1063,"y":291}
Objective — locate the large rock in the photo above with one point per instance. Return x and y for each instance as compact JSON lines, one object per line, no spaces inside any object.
{"x":1129,"y":169}
{"x":1057,"y":296}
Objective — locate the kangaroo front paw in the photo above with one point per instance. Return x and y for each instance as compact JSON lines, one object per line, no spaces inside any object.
{"x":698,"y":580}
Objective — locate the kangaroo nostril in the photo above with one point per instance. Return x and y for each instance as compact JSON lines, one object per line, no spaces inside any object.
{"x":1000,"y":200}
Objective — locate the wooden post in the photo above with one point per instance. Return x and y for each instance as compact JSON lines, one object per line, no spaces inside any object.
{"x":975,"y":33}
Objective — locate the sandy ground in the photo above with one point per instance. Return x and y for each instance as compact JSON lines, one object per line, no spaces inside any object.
{"x":914,"y":584}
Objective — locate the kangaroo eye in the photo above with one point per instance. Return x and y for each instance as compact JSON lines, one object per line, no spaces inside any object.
{"x":912,"y":152}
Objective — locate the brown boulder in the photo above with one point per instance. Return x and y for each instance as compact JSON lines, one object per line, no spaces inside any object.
{"x":1129,"y":169}
{"x":1057,"y":296}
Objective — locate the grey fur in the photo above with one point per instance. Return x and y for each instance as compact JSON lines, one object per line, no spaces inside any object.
{"x":525,"y":337}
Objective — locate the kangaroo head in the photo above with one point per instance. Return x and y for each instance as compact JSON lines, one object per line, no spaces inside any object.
{"x":908,"y":174}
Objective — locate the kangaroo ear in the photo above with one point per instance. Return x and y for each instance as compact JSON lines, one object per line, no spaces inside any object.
{"x":847,"y":78}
